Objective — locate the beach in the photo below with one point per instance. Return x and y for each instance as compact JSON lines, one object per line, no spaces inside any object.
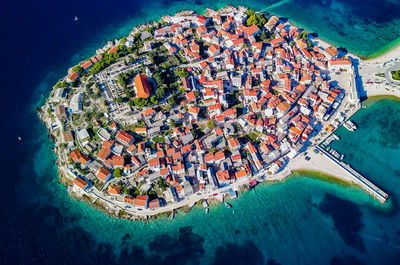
{"x":375,"y":74}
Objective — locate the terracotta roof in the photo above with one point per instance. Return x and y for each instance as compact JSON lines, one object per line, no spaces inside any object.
{"x":142,"y":86}
{"x":113,"y":189}
{"x":80,"y":183}
{"x":141,"y":200}
{"x":103,"y":153}
{"x":103,"y":173}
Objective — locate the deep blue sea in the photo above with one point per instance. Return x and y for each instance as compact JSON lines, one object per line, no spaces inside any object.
{"x":301,"y":221}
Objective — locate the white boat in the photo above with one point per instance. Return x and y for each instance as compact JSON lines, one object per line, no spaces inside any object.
{"x":207,"y":210}
{"x":349,"y":125}
{"x":205,"y":204}
{"x":228,"y":205}
{"x":76,"y":18}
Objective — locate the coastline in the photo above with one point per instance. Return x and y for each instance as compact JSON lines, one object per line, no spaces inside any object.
{"x":389,"y":49}
{"x":280,"y":177}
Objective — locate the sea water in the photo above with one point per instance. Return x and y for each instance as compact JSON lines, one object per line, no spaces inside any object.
{"x":300,"y":221}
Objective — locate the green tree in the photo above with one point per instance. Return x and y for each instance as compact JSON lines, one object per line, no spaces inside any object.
{"x":183,"y":72}
{"x":126,"y":190}
{"x":78,"y":69}
{"x":263,"y":35}
{"x":121,"y":81}
{"x":211,"y":124}
{"x":158,"y":139}
{"x":62,"y":83}
{"x":161,"y":184}
{"x":160,"y":92}
{"x":159,"y":78}
{"x":153,"y":100}
{"x":172,"y":100}
{"x":119,"y":100}
{"x":117,"y":173}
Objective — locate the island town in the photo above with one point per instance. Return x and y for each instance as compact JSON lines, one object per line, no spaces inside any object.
{"x":195,"y":107}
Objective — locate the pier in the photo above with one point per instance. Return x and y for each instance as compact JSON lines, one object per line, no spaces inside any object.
{"x":357,"y":178}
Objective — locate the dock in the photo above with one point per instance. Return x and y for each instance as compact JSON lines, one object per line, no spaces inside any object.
{"x":357,"y":178}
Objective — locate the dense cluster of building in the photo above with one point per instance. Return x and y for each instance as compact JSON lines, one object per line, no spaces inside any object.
{"x":256,"y":102}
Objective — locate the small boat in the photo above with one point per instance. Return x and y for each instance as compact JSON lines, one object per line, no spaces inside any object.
{"x":207,"y":210}
{"x":228,"y":205}
{"x":19,"y":138}
{"x":341,"y":157}
{"x":349,"y":125}
{"x":205,"y":204}
{"x":76,"y":18}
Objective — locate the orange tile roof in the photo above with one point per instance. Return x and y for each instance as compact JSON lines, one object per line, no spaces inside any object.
{"x":219,"y":155}
{"x":75,"y":155}
{"x":103,"y":173}
{"x":113,"y":189}
{"x":80,"y":183}
{"x":103,"y":153}
{"x":142,"y":86}
{"x":141,"y":200}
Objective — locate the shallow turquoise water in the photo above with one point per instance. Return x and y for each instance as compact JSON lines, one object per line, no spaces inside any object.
{"x":312,"y":220}
{"x":300,"y":221}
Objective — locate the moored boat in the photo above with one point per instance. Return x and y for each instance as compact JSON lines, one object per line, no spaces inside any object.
{"x":228,"y":205}
{"x":349,"y":125}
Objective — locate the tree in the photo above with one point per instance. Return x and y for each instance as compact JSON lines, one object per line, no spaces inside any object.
{"x":119,"y":100}
{"x":211,"y":124}
{"x":78,"y":69}
{"x":121,"y":81}
{"x":160,"y":92}
{"x":256,"y":19}
{"x":250,"y":12}
{"x":263,"y":35}
{"x":159,"y":78}
{"x":172,"y":100}
{"x":62,"y":83}
{"x":126,"y":190}
{"x":153,"y":100}
{"x":158,"y":139}
{"x":183,"y":72}
{"x":161,"y":184}
{"x":117,"y":173}
{"x":302,"y":35}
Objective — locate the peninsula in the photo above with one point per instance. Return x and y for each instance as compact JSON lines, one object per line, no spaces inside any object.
{"x":195,"y":107}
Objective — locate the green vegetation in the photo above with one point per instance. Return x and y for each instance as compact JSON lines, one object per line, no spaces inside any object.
{"x":158,"y":139}
{"x":78,"y":69}
{"x":62,"y":83}
{"x":396,"y":75}
{"x":380,"y":75}
{"x":254,"y":18}
{"x":263,"y":35}
{"x":302,"y":35}
{"x":173,"y":100}
{"x":108,"y":59}
{"x":181,"y":72}
{"x":163,"y":186}
{"x":252,"y":136}
{"x":117,"y":173}
{"x":211,"y":124}
{"x":143,"y":102}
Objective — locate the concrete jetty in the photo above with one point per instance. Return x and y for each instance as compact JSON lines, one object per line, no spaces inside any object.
{"x":357,"y":178}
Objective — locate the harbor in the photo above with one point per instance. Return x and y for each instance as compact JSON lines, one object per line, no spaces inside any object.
{"x":357,"y":178}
